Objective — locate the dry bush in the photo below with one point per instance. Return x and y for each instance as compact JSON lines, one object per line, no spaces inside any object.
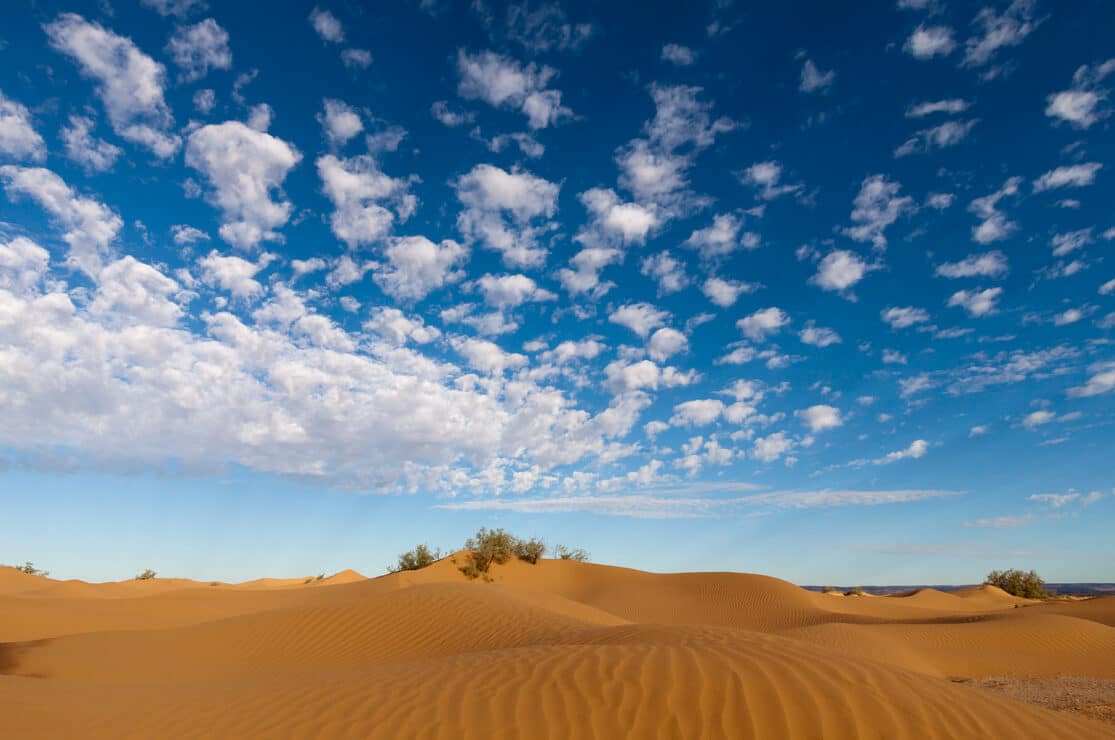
{"x":1017,"y":583}
{"x":30,"y":569}
{"x":146,"y":575}
{"x":487,"y":547}
{"x":530,"y":550}
{"x":857,"y":591}
{"x":419,"y":557}
{"x":564,"y":553}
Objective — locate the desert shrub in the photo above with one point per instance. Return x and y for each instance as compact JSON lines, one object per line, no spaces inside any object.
{"x":30,"y":569}
{"x":146,"y":575}
{"x":487,"y":547}
{"x":857,"y":591}
{"x":530,"y":550}
{"x":419,"y":557}
{"x":829,"y":590}
{"x":320,"y":577}
{"x":308,"y":580}
{"x":1017,"y":583}
{"x":564,"y":553}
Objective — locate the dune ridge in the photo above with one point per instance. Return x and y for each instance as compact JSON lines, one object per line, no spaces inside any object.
{"x":555,"y":650}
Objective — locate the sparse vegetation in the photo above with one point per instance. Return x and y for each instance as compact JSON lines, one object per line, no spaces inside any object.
{"x":564,"y":553}
{"x":857,"y":591}
{"x":829,"y":590}
{"x":30,"y":569}
{"x":530,"y":550}
{"x":415,"y":559}
{"x":320,"y":577}
{"x":146,"y":575}
{"x":487,"y":547}
{"x":1018,"y":583}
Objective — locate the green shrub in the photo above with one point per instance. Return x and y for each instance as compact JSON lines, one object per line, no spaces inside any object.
{"x":487,"y":547}
{"x":419,"y":557}
{"x":857,"y":591}
{"x":1016,"y":583}
{"x":30,"y":569}
{"x":564,"y":553}
{"x":530,"y":550}
{"x":146,"y":575}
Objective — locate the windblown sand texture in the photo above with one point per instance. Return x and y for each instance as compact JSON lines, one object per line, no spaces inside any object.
{"x":556,"y":650}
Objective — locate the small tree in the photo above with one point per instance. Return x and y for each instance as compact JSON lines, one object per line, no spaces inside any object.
{"x":487,"y":547}
{"x":530,"y":550}
{"x":30,"y":569}
{"x":146,"y":575}
{"x":1016,"y":583}
{"x":415,"y":559}
{"x":564,"y":553}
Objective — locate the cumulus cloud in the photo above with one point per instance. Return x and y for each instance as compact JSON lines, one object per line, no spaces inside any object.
{"x":668,"y":272}
{"x":994,"y":225}
{"x":725,"y":292}
{"x":503,"y":82}
{"x":1084,"y":103}
{"x":357,"y":188}
{"x":813,"y":79}
{"x":976,"y":302}
{"x":503,"y":210}
{"x":396,"y":327}
{"x":340,"y":122}
{"x":666,"y":343}
{"x":766,"y":178}
{"x":818,"y":336}
{"x":763,"y":323}
{"x":998,"y":31}
{"x":678,"y":55}
{"x":699,"y":412}
{"x":176,"y":8}
{"x":640,"y":318}
{"x":1101,"y":380}
{"x":917,"y":449}
{"x":583,"y":274}
{"x":626,"y":377}
{"x":989,"y":264}
{"x":931,"y":107}
{"x":130,"y":84}
{"x":89,"y":152}
{"x":23,"y":263}
{"x":820,"y":417}
{"x":927,"y":42}
{"x":840,"y":270}
{"x":721,"y":238}
{"x":1069,"y":176}
{"x":199,"y":48}
{"x":1070,"y":241}
{"x":356,"y":58}
{"x":234,"y":275}
{"x":243,"y":167}
{"x":327,"y":26}
{"x":416,"y":267}
{"x":771,"y":447}
{"x":876,"y":207}
{"x":18,"y":138}
{"x":89,"y":226}
{"x":511,"y":291}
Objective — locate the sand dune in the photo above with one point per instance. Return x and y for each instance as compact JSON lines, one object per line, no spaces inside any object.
{"x":557,"y":650}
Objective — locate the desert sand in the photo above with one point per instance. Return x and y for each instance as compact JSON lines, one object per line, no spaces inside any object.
{"x":560,"y":649}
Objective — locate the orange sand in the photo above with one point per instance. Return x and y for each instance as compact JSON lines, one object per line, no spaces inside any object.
{"x":557,"y":650}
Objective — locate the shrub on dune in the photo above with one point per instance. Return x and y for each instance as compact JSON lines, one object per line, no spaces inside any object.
{"x":487,"y":547}
{"x":415,"y":559}
{"x":530,"y":550}
{"x":1017,"y":583}
{"x":564,"y":553}
{"x":146,"y":575}
{"x":30,"y":569}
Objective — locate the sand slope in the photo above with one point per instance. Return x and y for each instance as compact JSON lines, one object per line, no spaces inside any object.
{"x":557,"y":650}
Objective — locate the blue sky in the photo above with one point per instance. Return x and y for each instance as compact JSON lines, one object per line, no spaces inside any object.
{"x":816,"y":291}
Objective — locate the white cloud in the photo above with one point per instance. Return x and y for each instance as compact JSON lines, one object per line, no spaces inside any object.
{"x":668,"y":272}
{"x":949,"y":133}
{"x":205,"y":100}
{"x":678,"y":55}
{"x":989,"y":264}
{"x":18,"y":137}
{"x":766,"y":177}
{"x":584,"y":277}
{"x":327,"y":26}
{"x":500,"y":207}
{"x":999,"y":31}
{"x":1102,"y":380}
{"x":133,"y":292}
{"x":699,"y":412}
{"x":233,"y":274}
{"x":876,"y":207}
{"x":177,"y":8}
{"x":666,"y":343}
{"x":199,"y":48}
{"x":718,"y":240}
{"x":640,"y":318}
{"x":763,"y":323}
{"x":1001,"y":522}
{"x":1107,"y":288}
{"x":813,"y":79}
{"x":625,"y":377}
{"x":1070,"y":241}
{"x":1056,"y":500}
{"x":23,"y":263}
{"x":917,"y":449}
{"x":1083,"y":104}
{"x":573,"y":351}
{"x":89,"y":226}
{"x":894,"y":357}
{"x":818,"y":336}
{"x":771,"y":447}
{"x":820,"y":417}
{"x":340,"y":121}
{"x":356,"y":58}
{"x":613,"y":221}
{"x":184,"y":235}
{"x":357,"y":187}
{"x":511,"y":291}
{"x":1071,"y":176}
{"x":244,"y":166}
{"x":449,"y":117}
{"x":545,"y":27}
{"x":502,"y":82}
{"x":927,"y":42}
{"x":978,"y":431}
{"x":417,"y":267}
{"x":840,"y":270}
{"x":995,"y":226}
{"x":130,"y":83}
{"x":398,"y":328}
{"x":487,"y":357}
{"x":1037,"y":418}
{"x":724,"y":292}
{"x":829,"y":498}
{"x":91,"y":153}
{"x":928,"y":108}
{"x":976,"y":302}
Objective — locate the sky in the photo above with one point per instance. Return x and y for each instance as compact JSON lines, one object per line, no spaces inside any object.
{"x":817,"y":290}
